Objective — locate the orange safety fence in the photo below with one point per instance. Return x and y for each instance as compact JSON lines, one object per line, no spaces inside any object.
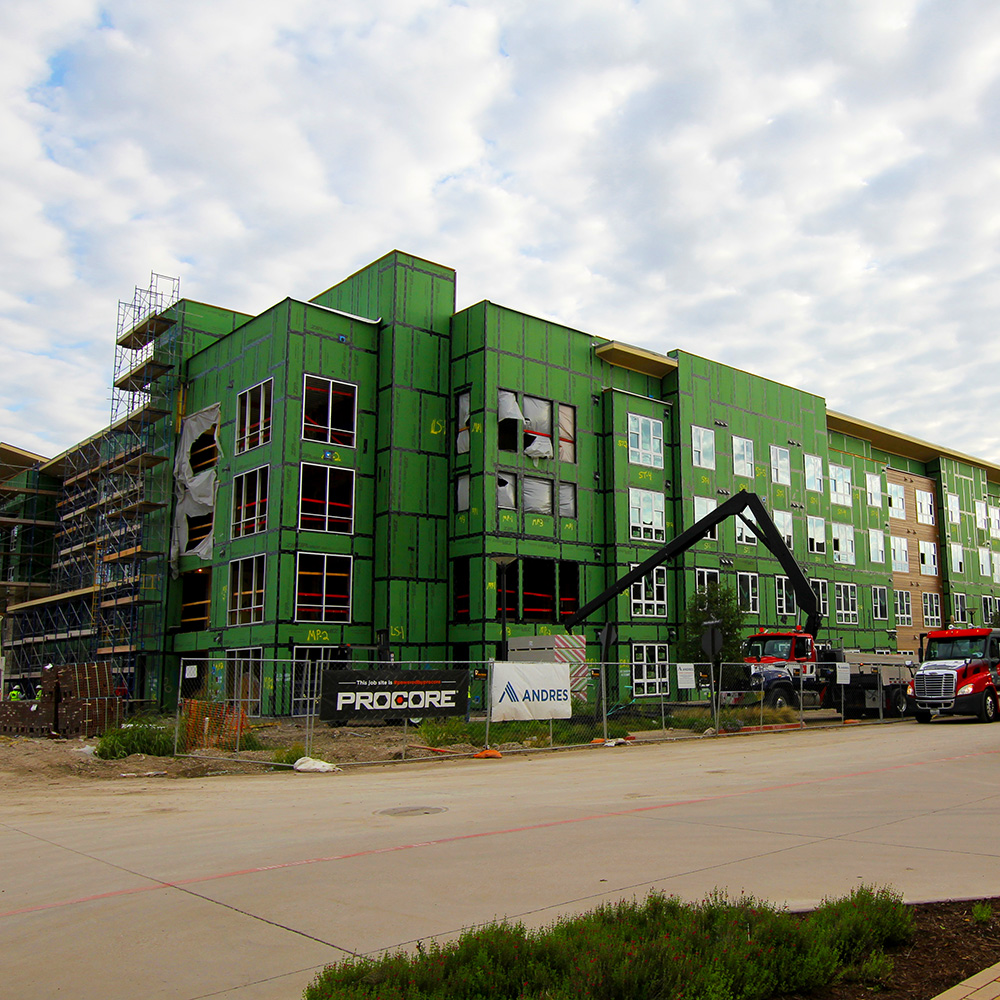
{"x":213,"y":724}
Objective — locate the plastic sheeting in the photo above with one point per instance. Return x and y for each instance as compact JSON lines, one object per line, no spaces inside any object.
{"x":537,"y":495}
{"x":567,"y":433}
{"x":462,"y":493}
{"x":538,"y":427}
{"x":508,"y":408}
{"x":507,"y":492}
{"x":462,"y":440}
{"x":194,"y":492}
{"x":567,"y":500}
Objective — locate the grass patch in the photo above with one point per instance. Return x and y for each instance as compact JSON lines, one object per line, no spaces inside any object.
{"x":730,"y":719}
{"x":149,"y":737}
{"x":290,"y":754}
{"x":982,"y":913}
{"x":719,"y":949}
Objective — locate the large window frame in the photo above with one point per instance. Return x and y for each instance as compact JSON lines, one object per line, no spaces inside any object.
{"x":329,"y":411}
{"x":326,"y":498}
{"x":781,"y":465}
{"x":925,"y":506}
{"x":932,"y":609}
{"x":928,"y":558}
{"x":246,"y":590}
{"x":846,"y":595}
{"x":702,"y":447}
{"x":650,"y":669}
{"x":647,"y":515}
{"x":253,"y":416}
{"x":249,"y":514}
{"x":900,"y":548}
{"x":649,"y":594}
{"x":880,"y":604}
{"x":645,"y":441}
{"x":903,"y":607}
{"x":323,"y":571}
{"x":743,"y":457}
{"x":840,"y":485}
{"x":748,"y":592}
{"x":843,"y":543}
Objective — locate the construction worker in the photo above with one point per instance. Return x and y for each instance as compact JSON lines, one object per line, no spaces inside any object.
{"x":38,"y":692}
{"x":15,"y":693}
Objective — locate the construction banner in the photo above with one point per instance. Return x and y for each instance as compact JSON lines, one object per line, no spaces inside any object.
{"x":521,"y":691}
{"x":393,"y":694}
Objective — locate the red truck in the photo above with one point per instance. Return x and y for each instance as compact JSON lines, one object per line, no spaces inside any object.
{"x":959,"y":674}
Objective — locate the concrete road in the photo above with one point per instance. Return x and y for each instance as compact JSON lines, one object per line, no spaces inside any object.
{"x":243,"y":887}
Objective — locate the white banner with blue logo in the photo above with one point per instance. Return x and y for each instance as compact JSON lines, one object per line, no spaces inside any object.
{"x":520,"y":691}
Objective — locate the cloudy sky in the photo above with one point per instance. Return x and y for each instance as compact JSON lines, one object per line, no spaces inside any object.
{"x":808,"y":189}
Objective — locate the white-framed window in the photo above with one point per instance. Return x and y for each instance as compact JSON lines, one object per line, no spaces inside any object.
{"x":897,"y":500}
{"x":781,"y":465}
{"x":646,"y":515}
{"x":928,"y":558}
{"x":932,"y":610}
{"x":246,"y":590}
{"x":322,"y":587}
{"x":649,"y":594}
{"x":984,"y":562}
{"x":814,"y":473}
{"x":925,"y":506}
{"x":784,"y":595}
{"x":846,"y":596}
{"x":329,"y":411}
{"x":900,"y":554}
{"x":250,"y":502}
{"x":843,"y":543}
{"x":989,"y":609}
{"x":994,"y":513}
{"x":954,"y":510}
{"x":957,"y":558}
{"x":326,"y":498}
{"x":743,"y":457}
{"x":873,"y":484}
{"x":645,"y":441}
{"x":703,"y":506}
{"x":650,"y":669}
{"x":982,"y":518}
{"x":747,"y":593}
{"x":821,"y":588}
{"x":876,"y":545}
{"x":840,"y":485}
{"x":705,"y":578}
{"x":961,"y":606}
{"x":880,"y":603}
{"x":702,"y":447}
{"x":816,"y":527}
{"x":902,"y":607}
{"x":744,"y":536}
{"x":253,"y":416}
{"x":783,"y":522}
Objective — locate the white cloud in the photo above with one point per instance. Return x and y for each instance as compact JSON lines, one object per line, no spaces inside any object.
{"x":807,"y":191}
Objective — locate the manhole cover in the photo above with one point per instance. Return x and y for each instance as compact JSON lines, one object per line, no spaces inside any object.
{"x":412,"y":811}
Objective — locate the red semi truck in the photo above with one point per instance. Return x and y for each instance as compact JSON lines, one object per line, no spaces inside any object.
{"x":959,"y":674}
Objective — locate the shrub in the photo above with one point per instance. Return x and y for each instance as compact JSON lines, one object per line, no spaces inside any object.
{"x":289,"y":755}
{"x":146,"y":737}
{"x":982,"y":913}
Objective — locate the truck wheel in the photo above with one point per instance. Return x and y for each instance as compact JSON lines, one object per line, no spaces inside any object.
{"x":897,"y":702}
{"x":780,"y":698}
{"x":988,"y":707}
{"x":922,"y":716}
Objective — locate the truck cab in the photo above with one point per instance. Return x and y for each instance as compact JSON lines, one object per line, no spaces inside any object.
{"x":959,"y":674}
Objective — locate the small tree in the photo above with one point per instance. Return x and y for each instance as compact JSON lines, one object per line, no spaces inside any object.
{"x":714,"y":603}
{"x":994,"y":621}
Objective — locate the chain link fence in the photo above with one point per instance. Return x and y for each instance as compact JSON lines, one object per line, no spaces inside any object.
{"x":239,"y":705}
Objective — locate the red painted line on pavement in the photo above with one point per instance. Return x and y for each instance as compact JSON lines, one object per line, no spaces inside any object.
{"x":371,"y":852}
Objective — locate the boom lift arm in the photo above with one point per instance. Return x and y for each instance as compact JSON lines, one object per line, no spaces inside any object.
{"x":764,"y":529}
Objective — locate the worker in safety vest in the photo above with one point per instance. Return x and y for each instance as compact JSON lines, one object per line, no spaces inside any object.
{"x":38,"y":693}
{"x":15,"y":693}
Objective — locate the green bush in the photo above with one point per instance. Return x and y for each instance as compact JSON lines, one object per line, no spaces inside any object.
{"x":720,"y":949}
{"x":982,"y":913}
{"x":290,"y":754}
{"x":150,"y":738}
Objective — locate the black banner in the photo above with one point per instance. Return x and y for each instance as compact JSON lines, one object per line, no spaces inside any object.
{"x":392,"y":694}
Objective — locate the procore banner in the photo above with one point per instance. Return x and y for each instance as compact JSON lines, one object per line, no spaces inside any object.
{"x":520,"y":691}
{"x":393,"y":694}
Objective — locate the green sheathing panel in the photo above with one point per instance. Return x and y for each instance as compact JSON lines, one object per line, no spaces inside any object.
{"x":967,"y":545}
{"x":726,"y":403}
{"x":869,"y":515}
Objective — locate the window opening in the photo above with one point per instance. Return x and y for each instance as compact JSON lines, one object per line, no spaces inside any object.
{"x":506,"y":491}
{"x":747,"y":592}
{"x":250,"y":502}
{"x":567,"y":500}
{"x":817,"y":535}
{"x":847,"y":603}
{"x":645,"y":441}
{"x":925,"y":506}
{"x":329,"y":411}
{"x":199,"y":528}
{"x":903,"y":607}
{"x":897,"y":500}
{"x":537,"y":495}
{"x":705,"y":578}
{"x":509,"y":415}
{"x":567,"y":432}
{"x":461,"y":577}
{"x":569,"y":588}
{"x":821,"y":589}
{"x":781,"y":466}
{"x":649,"y":594}
{"x":462,"y":493}
{"x":785,"y":596}
{"x":646,"y":510}
{"x":326,"y":499}
{"x":196,"y":599}
{"x":537,"y":428}
{"x":246,"y":590}
{"x":703,"y":506}
{"x":322,"y":587}
{"x":814,"y":473}
{"x":702,"y":447}
{"x":462,"y":438}
{"x":880,"y":603}
{"x":204,"y":452}
{"x":876,"y":545}
{"x":900,"y":554}
{"x":873,"y":482}
{"x":743,"y":457}
{"x":932,"y":610}
{"x":650,"y":669}
{"x":539,"y":590}
{"x":253,"y":417}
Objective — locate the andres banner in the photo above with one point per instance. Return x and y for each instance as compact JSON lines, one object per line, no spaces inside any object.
{"x":393,"y":694}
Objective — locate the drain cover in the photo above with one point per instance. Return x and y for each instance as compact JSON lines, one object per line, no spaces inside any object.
{"x":412,"y":811}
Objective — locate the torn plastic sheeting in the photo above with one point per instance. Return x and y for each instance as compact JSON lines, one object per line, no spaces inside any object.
{"x":191,"y":429}
{"x":195,"y":492}
{"x":310,"y":765}
{"x":506,"y":492}
{"x":567,"y":500}
{"x":508,"y":408}
{"x":538,"y":424}
{"x":190,"y":506}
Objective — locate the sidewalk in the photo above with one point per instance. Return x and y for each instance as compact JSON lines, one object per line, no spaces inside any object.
{"x":984,"y":985}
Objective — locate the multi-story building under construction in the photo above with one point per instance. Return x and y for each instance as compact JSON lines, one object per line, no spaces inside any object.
{"x":367,"y":468}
